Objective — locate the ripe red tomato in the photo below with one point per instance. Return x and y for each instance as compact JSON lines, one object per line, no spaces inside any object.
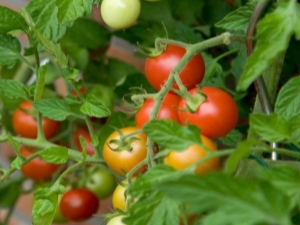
{"x":78,"y":204}
{"x":37,"y":169}
{"x":157,"y":69}
{"x":216,"y":116}
{"x":25,"y":124}
{"x":85,"y":134}
{"x":194,"y":153}
{"x":123,"y":160}
{"x":168,"y":110}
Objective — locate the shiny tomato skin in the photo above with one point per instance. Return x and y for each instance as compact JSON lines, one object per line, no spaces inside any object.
{"x":216,"y":116}
{"x":194,"y":153}
{"x":118,"y":197}
{"x":168,"y":110}
{"x":25,"y":124}
{"x":157,"y":69}
{"x":87,"y":137}
{"x":122,"y":161}
{"x":78,"y":204}
{"x":37,"y":169}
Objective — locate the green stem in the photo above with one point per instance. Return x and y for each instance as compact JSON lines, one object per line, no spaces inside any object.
{"x":67,"y":171}
{"x":24,"y":60}
{"x":226,"y":54}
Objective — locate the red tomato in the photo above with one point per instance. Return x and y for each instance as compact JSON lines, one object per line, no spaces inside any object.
{"x":85,"y":134}
{"x":194,"y":153}
{"x":78,"y":204}
{"x":216,"y":116}
{"x":37,"y":169}
{"x":168,"y":110}
{"x":25,"y":124}
{"x":123,"y":160}
{"x":157,"y":69}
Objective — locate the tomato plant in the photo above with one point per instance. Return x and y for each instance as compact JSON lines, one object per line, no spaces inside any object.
{"x":216,"y":116}
{"x":78,"y":204}
{"x":101,"y":182}
{"x":86,"y":136}
{"x":120,"y":14}
{"x":37,"y":169}
{"x":25,"y":124}
{"x":194,"y":153}
{"x":158,"y":69}
{"x":122,"y":155}
{"x":168,"y":110}
{"x":116,"y":221}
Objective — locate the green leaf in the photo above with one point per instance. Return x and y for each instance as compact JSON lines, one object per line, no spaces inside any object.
{"x":56,"y":109}
{"x":44,"y":16}
{"x":284,"y":177}
{"x":13,"y":89}
{"x":232,"y":138}
{"x":10,"y":49}
{"x":10,"y":192}
{"x":92,"y":107}
{"x":187,"y":10}
{"x":276,"y":27}
{"x":242,"y":152}
{"x":213,"y":71}
{"x":11,"y":20}
{"x":44,"y":209}
{"x":237,"y":20}
{"x":57,"y":155}
{"x":294,"y":128}
{"x":40,"y":83}
{"x":273,"y":128}
{"x":18,"y":162}
{"x":288,"y":99}
{"x":70,"y":10}
{"x":242,"y":202}
{"x":172,"y":135}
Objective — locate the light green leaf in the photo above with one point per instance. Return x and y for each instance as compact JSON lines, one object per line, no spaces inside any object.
{"x":294,"y":128}
{"x":11,"y":20}
{"x":238,"y":19}
{"x":172,"y":135}
{"x":18,"y":162}
{"x":92,"y":107}
{"x":57,"y":154}
{"x":288,"y":99}
{"x":13,"y":89}
{"x":273,"y":36}
{"x":44,"y":209}
{"x":70,"y":10}
{"x":44,"y":16}
{"x":273,"y":128}
{"x":56,"y":109}
{"x":40,"y":83}
{"x":10,"y":49}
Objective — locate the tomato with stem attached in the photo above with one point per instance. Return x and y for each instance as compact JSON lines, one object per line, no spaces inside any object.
{"x":90,"y":149}
{"x":120,"y":14}
{"x":37,"y":169}
{"x":124,"y":149}
{"x":216,"y":116}
{"x":158,"y":69}
{"x":101,"y":182}
{"x":183,"y":159}
{"x":168,"y":110}
{"x":78,"y":204}
{"x":25,"y":123}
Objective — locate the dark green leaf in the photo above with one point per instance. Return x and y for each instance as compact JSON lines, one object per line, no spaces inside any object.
{"x":276,"y":27}
{"x":172,"y":135}
{"x":10,"y":49}
{"x":294,"y":128}
{"x":273,"y":128}
{"x":56,"y":109}
{"x":288,"y":99}
{"x":13,"y":89}
{"x":70,"y":10}
{"x":186,"y":11}
{"x":238,"y":19}
{"x":10,"y":191}
{"x":213,"y":70}
{"x":11,"y":20}
{"x":232,"y":138}
{"x":57,"y":155}
{"x":93,"y":107}
{"x":242,"y":202}
{"x":44,"y":16}
{"x":242,"y":152}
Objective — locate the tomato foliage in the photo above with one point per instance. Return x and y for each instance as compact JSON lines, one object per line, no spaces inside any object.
{"x":204,"y":116}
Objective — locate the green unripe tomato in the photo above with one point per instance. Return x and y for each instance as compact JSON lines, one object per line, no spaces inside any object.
{"x":120,"y":14}
{"x":116,"y":221}
{"x":102,"y":183}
